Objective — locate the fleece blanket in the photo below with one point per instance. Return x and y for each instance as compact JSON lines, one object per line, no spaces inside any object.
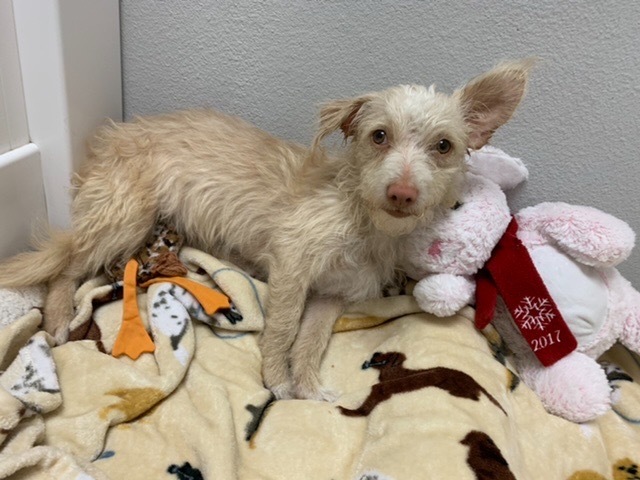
{"x":418,"y":397}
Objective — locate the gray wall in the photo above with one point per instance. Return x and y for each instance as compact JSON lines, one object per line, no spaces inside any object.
{"x":273,"y":62}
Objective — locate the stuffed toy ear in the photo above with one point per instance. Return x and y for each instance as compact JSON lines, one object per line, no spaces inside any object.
{"x":489,"y":100}
{"x":495,"y":165}
{"x":586,"y":234}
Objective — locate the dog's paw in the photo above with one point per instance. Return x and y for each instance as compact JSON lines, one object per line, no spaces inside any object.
{"x":327,"y":395}
{"x":282,"y":391}
{"x":307,"y":386}
{"x":315,"y":392}
{"x":61,"y":335}
{"x":59,"y":330}
{"x":276,"y":377}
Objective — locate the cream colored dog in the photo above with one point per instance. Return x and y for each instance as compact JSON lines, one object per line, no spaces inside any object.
{"x":323,"y":227}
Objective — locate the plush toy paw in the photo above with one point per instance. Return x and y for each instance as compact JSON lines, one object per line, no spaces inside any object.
{"x":575,"y":387}
{"x":444,"y":294}
{"x":630,"y":297}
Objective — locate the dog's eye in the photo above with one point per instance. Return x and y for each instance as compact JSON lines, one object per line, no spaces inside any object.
{"x":443,"y":146}
{"x":457,"y":205}
{"x":379,"y":137}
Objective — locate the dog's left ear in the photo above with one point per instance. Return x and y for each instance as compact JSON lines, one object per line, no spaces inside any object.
{"x":489,"y":100}
{"x":339,"y":114}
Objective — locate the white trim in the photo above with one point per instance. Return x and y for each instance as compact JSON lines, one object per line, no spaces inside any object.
{"x":17,"y":154}
{"x":70,"y":61}
{"x":22,"y":203}
{"x":13,"y":118}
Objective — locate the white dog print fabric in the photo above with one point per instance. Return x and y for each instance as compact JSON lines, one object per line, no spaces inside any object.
{"x":32,"y":377}
{"x":171,"y":317}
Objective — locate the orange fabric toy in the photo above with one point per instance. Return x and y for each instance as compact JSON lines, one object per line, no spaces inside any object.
{"x":133,"y":339}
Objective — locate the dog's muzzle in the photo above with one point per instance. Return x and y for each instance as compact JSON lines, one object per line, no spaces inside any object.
{"x":395,"y":225}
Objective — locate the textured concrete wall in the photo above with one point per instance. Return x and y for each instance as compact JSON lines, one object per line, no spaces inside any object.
{"x":273,"y":62}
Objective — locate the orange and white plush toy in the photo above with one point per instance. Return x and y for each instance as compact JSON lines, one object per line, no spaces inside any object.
{"x":546,"y":277}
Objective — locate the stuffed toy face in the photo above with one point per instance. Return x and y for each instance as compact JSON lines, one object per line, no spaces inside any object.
{"x":460,"y":240}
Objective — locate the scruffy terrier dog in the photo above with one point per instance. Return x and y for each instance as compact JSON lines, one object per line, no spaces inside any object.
{"x":324,"y":228}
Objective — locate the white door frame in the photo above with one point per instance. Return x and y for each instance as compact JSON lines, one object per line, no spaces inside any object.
{"x":71,"y":69}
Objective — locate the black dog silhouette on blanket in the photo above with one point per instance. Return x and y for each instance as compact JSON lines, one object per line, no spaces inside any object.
{"x":394,"y":378}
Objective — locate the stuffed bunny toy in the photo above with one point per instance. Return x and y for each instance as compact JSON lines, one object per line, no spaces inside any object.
{"x":574,"y":250}
{"x":446,"y":255}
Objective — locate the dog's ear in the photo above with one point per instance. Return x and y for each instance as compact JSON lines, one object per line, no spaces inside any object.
{"x":489,"y":100}
{"x":339,"y":114}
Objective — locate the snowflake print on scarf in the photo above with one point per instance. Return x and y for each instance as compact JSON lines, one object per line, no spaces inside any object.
{"x":534,"y":313}
{"x":511,"y":273}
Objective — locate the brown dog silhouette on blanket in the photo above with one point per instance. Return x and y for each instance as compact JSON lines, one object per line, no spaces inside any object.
{"x":394,"y":378}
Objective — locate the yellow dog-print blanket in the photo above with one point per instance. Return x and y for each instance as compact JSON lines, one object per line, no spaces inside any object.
{"x":418,"y":397}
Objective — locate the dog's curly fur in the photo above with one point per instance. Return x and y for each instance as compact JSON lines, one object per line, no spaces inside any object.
{"x":323,"y":227}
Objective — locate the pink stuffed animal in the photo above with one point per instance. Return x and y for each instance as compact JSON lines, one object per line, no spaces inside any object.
{"x":573,"y":248}
{"x":457,"y":243}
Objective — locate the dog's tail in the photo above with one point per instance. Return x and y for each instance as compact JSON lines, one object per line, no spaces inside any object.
{"x":48,"y":261}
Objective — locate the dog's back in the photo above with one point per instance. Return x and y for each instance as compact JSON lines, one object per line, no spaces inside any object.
{"x":215,"y":176}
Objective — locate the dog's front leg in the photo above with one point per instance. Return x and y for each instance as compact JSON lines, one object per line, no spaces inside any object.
{"x":285,"y":304}
{"x":310,"y":345}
